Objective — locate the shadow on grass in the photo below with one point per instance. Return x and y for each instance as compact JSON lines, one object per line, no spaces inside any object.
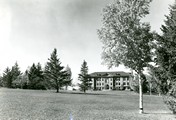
{"x":157,"y":113}
{"x":81,"y":93}
{"x":103,"y":93}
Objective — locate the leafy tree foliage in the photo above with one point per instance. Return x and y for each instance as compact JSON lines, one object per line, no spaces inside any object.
{"x":126,"y":40}
{"x":54,"y":72}
{"x":1,"y":82}
{"x":83,"y":77}
{"x":135,"y":83}
{"x":25,"y":80}
{"x":36,"y":77}
{"x":68,"y":79}
{"x":17,"y":83}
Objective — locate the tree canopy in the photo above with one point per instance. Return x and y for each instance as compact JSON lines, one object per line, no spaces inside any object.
{"x":36,"y":77}
{"x":84,"y":85}
{"x":166,"y":51}
{"x":54,"y":72}
{"x":10,"y":75}
{"x":126,"y":40}
{"x":68,"y":79}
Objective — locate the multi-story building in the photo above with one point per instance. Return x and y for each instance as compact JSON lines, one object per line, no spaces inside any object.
{"x":110,"y":80}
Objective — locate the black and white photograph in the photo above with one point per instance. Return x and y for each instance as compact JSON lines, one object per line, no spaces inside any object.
{"x":88,"y":60}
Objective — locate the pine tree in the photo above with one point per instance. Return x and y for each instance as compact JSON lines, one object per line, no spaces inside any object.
{"x":166,"y":51}
{"x":54,"y":72}
{"x":84,"y":85}
{"x":11,"y":75}
{"x":16,"y":71}
{"x":7,"y":78}
{"x":36,"y":77}
{"x":16,"y":76}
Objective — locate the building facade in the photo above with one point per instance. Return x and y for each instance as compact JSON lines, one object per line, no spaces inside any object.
{"x":110,"y":80}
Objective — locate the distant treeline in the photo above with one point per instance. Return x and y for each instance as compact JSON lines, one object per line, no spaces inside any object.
{"x":52,"y":76}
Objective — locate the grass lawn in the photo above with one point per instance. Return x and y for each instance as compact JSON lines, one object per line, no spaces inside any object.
{"x":19,"y":104}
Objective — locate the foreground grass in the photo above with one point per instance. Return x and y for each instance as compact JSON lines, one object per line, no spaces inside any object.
{"x":105,"y":105}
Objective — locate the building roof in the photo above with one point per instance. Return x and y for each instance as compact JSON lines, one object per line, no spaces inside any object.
{"x":109,"y":74}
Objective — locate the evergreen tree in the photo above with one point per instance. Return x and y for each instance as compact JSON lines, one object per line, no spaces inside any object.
{"x":36,"y":77}
{"x":84,"y":85}
{"x":7,"y":78}
{"x":54,"y":72}
{"x":16,"y":76}
{"x":25,"y":80}
{"x":166,"y":51}
{"x":11,"y":75}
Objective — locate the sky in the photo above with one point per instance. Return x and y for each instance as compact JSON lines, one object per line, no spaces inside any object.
{"x":31,"y":29}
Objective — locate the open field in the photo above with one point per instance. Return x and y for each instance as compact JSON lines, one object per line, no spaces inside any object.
{"x":104,"y":105}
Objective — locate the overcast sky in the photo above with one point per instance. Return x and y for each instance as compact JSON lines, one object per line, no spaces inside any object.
{"x":31,"y":29}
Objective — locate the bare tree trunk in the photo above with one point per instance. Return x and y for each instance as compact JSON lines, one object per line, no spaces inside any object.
{"x":159,"y":91}
{"x":140,"y":96}
{"x":58,"y":87}
{"x":66,"y":87}
{"x":57,"y":90}
{"x":150,"y":88}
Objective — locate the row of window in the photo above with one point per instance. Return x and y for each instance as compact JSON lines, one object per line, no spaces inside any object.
{"x":124,"y":83}
{"x":102,"y":88}
{"x":116,"y":88}
{"x":106,"y":79}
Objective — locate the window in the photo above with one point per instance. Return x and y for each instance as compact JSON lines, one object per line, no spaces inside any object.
{"x":124,"y":83}
{"x":102,"y":83}
{"x":111,"y":88}
{"x":116,"y":83}
{"x":102,"y":88}
{"x":118,"y":78}
{"x":128,"y":83}
{"x":111,"y":83}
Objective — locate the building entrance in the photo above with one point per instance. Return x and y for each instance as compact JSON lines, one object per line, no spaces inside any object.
{"x":107,"y":87}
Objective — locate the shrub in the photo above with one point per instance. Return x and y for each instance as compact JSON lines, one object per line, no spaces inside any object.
{"x":171,"y":103}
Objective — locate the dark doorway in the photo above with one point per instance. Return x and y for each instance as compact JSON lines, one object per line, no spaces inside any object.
{"x":107,"y":86}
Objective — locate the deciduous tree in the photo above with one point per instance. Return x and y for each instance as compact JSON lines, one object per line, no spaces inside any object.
{"x":126,"y":40}
{"x":68,"y":79}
